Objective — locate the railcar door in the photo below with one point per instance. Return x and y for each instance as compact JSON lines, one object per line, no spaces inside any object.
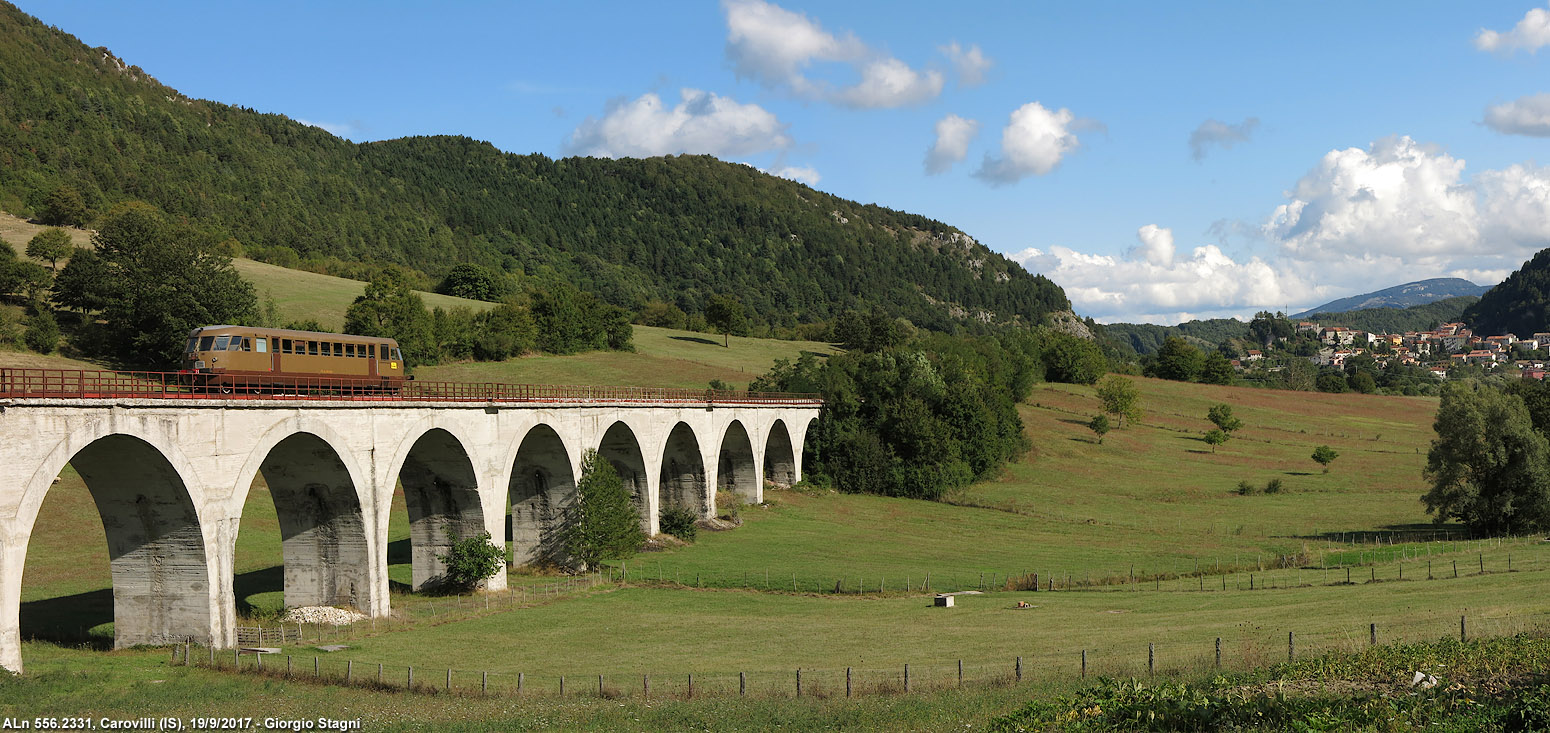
{"x":371,"y":359}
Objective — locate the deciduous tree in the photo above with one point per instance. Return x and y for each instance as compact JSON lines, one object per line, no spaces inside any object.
{"x":725,"y":314}
{"x":1120,"y":398}
{"x":1488,"y":467}
{"x":50,"y":244}
{"x":1325,"y":455}
{"x":1100,"y":427}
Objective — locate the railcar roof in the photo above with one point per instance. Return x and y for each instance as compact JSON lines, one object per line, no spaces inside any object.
{"x":288,"y":333}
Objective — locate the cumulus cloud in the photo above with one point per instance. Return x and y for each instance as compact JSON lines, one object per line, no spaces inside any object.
{"x":1156,"y":245}
{"x":953,"y":134}
{"x":1151,"y":285}
{"x":701,"y":122}
{"x":890,"y":83}
{"x":1531,"y":33}
{"x":1033,"y":142}
{"x":971,"y":63}
{"x":1397,"y":197}
{"x":1362,"y":218}
{"x":1526,"y":116}
{"x":1215,"y":132}
{"x":778,"y":48}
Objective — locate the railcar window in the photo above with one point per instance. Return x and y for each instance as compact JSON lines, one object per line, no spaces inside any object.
{"x":262,"y":344}
{"x":338,"y":349}
{"x":285,"y":346}
{"x":247,"y":344}
{"x":328,"y":349}
{"x":312,"y":348}
{"x":221,"y":342}
{"x":205,"y":342}
{"x":192,"y":344}
{"x":371,"y":351}
{"x":399,"y":355}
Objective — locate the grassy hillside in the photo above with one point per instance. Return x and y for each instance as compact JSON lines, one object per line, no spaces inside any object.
{"x":675,"y":228}
{"x":304,"y":295}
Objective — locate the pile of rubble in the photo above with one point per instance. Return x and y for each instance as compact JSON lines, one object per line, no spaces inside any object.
{"x":322,"y":615}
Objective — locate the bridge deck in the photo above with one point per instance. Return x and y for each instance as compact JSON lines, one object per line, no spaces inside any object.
{"x":68,"y":384}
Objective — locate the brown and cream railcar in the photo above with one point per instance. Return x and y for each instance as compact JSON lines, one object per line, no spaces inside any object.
{"x":248,"y":357}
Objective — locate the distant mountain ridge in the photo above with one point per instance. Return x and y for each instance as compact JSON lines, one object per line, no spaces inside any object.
{"x":1401,"y":296}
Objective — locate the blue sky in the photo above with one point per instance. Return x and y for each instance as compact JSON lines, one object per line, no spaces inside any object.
{"x":1339,"y":148}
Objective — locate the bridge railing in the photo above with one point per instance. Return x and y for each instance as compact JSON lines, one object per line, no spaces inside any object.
{"x":87,"y":384}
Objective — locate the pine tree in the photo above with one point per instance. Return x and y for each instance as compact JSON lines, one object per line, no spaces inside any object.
{"x":602,"y":524}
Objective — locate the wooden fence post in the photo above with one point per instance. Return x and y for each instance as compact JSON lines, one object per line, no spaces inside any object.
{"x":349,"y":668}
{"x":484,"y":683}
{"x":645,"y":685}
{"x":1151,"y":659}
{"x":799,"y":681}
{"x":906,"y":678}
{"x":1372,"y":634}
{"x":847,"y":682}
{"x":742,"y":684}
{"x":1218,"y":652}
{"x":409,"y":680}
{"x":287,"y":664}
{"x":1462,"y":637}
{"x":448,"y":685}
{"x":1019,"y":669}
{"x":379,"y":673}
{"x":960,"y":673}
{"x":1291,"y":647}
{"x":314,"y":667}
{"x":691,"y":685}
{"x":1084,"y":664}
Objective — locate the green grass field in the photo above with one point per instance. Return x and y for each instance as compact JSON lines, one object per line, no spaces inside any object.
{"x":1153,"y":501}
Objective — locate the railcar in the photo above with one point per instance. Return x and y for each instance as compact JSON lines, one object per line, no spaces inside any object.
{"x":247,"y":358}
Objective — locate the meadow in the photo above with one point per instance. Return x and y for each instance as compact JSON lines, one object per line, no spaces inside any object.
{"x":1146,"y":537}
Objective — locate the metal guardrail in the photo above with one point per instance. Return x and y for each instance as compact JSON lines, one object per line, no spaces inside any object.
{"x":85,"y":384}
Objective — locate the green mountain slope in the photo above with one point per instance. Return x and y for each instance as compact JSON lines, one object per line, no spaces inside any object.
{"x":674,"y":229}
{"x":1519,"y":305}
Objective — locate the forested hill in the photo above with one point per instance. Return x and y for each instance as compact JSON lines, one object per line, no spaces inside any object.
{"x":1519,"y":305}
{"x":676,"y":229}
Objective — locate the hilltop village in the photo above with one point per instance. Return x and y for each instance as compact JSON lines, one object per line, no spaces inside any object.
{"x":1438,"y":351}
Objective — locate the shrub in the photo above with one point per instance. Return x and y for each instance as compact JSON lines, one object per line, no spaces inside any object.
{"x":1245,"y":488}
{"x":470,"y":561}
{"x":1273,"y":486}
{"x":678,"y":521}
{"x":42,"y":333}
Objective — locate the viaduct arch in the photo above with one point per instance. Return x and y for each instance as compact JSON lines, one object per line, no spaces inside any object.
{"x":170,"y":477}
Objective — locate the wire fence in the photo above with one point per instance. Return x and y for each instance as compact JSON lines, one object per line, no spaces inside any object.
{"x":1368,"y":558}
{"x":1238,"y":649}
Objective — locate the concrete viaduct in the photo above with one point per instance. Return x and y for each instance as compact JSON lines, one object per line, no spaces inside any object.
{"x":170,"y":476}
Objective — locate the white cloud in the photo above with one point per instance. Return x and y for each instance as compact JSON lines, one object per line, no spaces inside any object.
{"x":1032,"y":143}
{"x":701,"y":122}
{"x":1146,"y":287}
{"x":778,"y":48}
{"x":1525,"y":116}
{"x":1396,"y":198}
{"x":1531,"y":33}
{"x":890,"y":83}
{"x":1156,"y":245}
{"x":971,"y":63}
{"x":1215,"y":132}
{"x":801,"y":174}
{"x":1360,"y":220}
{"x":953,"y":134}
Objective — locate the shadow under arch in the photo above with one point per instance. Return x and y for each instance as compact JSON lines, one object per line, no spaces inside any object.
{"x":682,"y":481}
{"x":779,"y":457}
{"x":541,"y":490}
{"x":441,"y":492}
{"x":620,"y":448}
{"x":322,"y":527}
{"x":735,"y":470}
{"x":156,"y":549}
